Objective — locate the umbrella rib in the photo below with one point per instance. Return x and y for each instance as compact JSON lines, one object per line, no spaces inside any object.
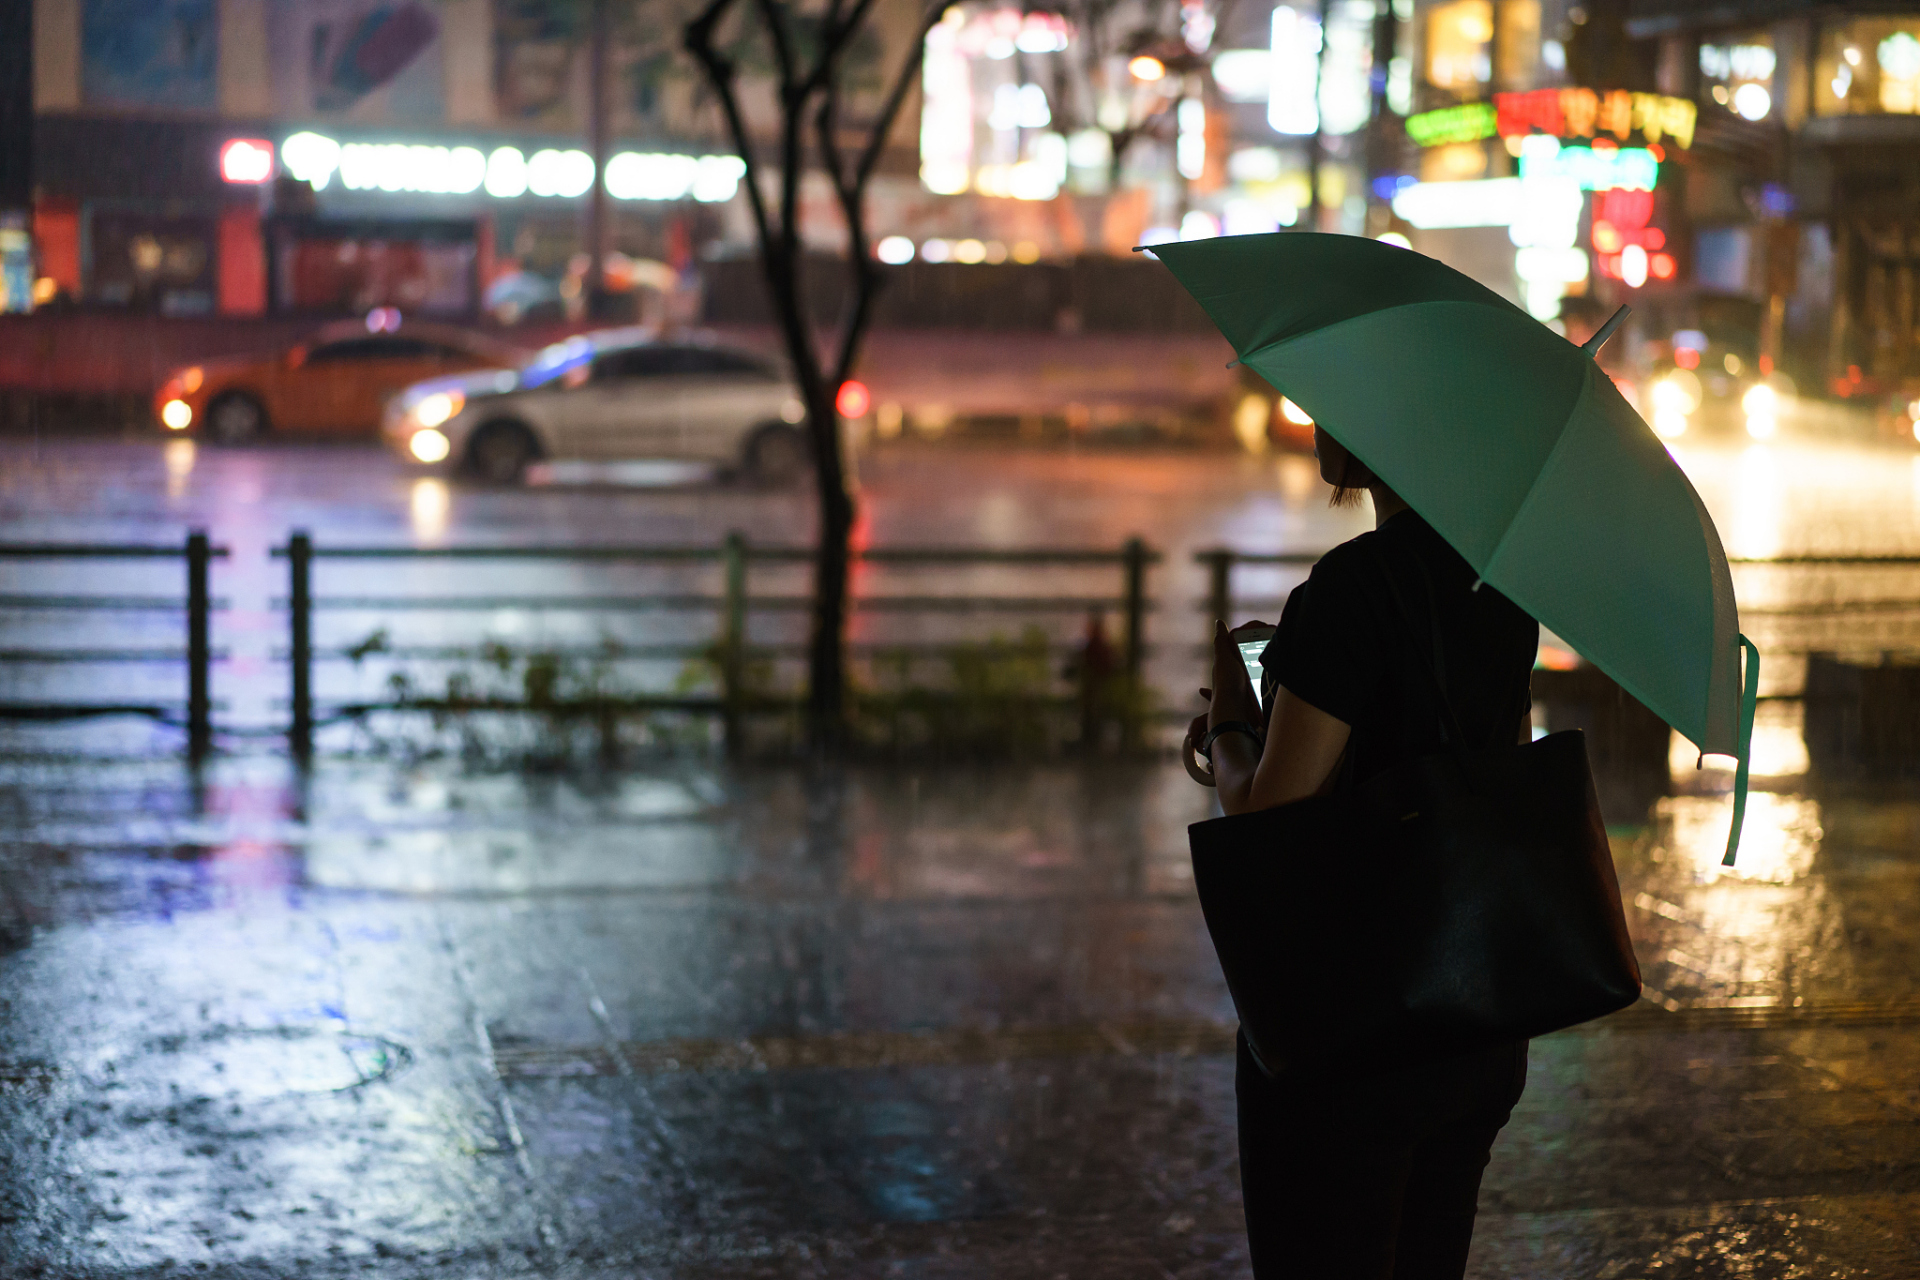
{"x":1276,"y":343}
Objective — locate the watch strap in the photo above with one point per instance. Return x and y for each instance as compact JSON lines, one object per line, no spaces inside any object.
{"x":1230,"y":726}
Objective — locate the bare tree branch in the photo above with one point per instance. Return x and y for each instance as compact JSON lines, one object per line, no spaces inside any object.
{"x":812,"y":94}
{"x":720,"y":75}
{"x":834,"y":39}
{"x":781,"y":41}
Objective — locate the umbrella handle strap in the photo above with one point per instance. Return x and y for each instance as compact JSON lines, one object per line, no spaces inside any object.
{"x":1749,"y":701}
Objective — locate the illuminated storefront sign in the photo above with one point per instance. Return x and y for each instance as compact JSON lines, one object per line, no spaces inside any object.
{"x":1437,"y":206}
{"x":246,"y":160}
{"x":505,"y":172}
{"x":986,"y":121}
{"x":1595,"y":168}
{"x":1468,"y":122}
{"x":1586,"y":113}
{"x":1541,"y":212}
{"x":1295,"y":64}
{"x":1560,"y":113}
{"x":1627,"y":246}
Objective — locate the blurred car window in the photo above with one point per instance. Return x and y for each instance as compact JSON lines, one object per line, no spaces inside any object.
{"x":715,"y":360}
{"x":637,"y":362}
{"x":379,"y":349}
{"x":662,"y":362}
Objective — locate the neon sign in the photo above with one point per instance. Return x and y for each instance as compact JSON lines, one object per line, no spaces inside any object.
{"x":1597,"y":168}
{"x":1627,"y":246}
{"x":1587,"y":113}
{"x":1468,"y":122}
{"x":505,"y":173}
{"x":1561,"y":113}
{"x":248,"y":160}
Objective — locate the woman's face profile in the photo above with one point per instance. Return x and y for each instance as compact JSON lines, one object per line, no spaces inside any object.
{"x":1332,"y":455}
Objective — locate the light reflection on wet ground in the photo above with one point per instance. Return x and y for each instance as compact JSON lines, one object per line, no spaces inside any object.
{"x":396,"y":1021}
{"x":417,"y":1020}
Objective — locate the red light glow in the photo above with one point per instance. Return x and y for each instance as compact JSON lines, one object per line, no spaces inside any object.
{"x":1686,"y":357}
{"x":1662,"y":267}
{"x":247,"y":160}
{"x":854,"y":400}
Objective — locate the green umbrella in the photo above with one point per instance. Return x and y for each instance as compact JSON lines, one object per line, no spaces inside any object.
{"x":1513,"y":445}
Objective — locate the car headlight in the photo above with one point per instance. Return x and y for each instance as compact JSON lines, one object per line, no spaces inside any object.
{"x":1669,"y":424}
{"x":1678,"y":392}
{"x":177,"y":415}
{"x":438,"y":407}
{"x":429,"y":445}
{"x":1761,"y":401}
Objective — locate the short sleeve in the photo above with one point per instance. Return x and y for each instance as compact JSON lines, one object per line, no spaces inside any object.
{"x":1326,"y":650}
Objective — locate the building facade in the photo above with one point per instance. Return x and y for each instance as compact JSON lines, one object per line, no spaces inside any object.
{"x":248,"y":156}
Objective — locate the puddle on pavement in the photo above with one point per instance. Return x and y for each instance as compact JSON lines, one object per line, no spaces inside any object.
{"x":251,"y":1064}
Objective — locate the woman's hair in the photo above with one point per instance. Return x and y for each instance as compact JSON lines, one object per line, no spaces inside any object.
{"x":1353,"y":481}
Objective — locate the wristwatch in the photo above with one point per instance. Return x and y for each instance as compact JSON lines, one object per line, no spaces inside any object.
{"x":1231,"y":726}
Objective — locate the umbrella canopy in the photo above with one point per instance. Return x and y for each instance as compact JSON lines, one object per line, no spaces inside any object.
{"x":1512,"y":444}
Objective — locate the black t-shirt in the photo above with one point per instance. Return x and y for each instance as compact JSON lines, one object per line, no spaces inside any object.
{"x":1341,"y":645}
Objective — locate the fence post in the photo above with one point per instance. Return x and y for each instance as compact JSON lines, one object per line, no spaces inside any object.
{"x":199,"y":651}
{"x":1219,"y":587}
{"x":1135,"y":560}
{"x":733,"y":637}
{"x":300,"y":624}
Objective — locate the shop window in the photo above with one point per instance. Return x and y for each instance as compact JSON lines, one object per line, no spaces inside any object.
{"x":153,"y":263}
{"x":327,"y":271}
{"x":1459,"y":37}
{"x":1868,"y":66}
{"x":1518,"y":39}
{"x":1736,"y":74}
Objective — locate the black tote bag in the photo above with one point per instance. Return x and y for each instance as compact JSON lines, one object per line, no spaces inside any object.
{"x":1453,"y":902}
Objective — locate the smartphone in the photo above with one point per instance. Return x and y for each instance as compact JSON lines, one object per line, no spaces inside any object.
{"x":1252,"y":645}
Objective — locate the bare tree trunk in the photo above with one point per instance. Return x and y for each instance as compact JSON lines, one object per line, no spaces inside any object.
{"x":813,"y":93}
{"x":597,"y":112}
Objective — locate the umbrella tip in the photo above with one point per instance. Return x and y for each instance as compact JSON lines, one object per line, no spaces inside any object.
{"x":1592,"y":345}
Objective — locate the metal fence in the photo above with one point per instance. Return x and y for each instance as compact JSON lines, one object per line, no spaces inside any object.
{"x":1796,"y":615}
{"x":197,"y":604}
{"x":730,"y":608}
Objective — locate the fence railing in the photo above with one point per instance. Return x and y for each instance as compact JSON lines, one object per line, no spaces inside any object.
{"x":731,"y":606}
{"x":731,"y":603}
{"x":1223,"y":602}
{"x":198,"y":655}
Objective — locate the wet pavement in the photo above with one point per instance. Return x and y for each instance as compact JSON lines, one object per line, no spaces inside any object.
{"x":692,"y":1021}
{"x":413,"y":1018}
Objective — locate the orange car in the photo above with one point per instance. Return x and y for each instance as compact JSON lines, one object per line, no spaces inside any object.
{"x":337,"y":382}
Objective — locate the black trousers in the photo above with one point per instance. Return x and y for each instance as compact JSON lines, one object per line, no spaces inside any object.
{"x":1373,"y":1178}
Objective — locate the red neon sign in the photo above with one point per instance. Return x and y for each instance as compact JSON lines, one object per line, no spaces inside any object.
{"x":247,"y":160}
{"x":1626,"y":244}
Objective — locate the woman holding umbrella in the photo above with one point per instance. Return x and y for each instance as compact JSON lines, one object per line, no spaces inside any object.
{"x":1376,"y":1176}
{"x":1404,"y":887}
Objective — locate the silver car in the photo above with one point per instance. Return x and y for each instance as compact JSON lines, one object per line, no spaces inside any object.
{"x":614,"y":394}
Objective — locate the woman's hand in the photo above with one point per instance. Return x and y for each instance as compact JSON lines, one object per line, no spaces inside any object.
{"x":1236,"y":700}
{"x":1232,"y":696}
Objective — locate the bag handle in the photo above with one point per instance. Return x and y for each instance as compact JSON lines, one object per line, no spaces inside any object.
{"x":1450,"y":732}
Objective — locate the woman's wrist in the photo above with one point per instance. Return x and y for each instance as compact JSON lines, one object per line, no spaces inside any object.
{"x":1231,"y":726}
